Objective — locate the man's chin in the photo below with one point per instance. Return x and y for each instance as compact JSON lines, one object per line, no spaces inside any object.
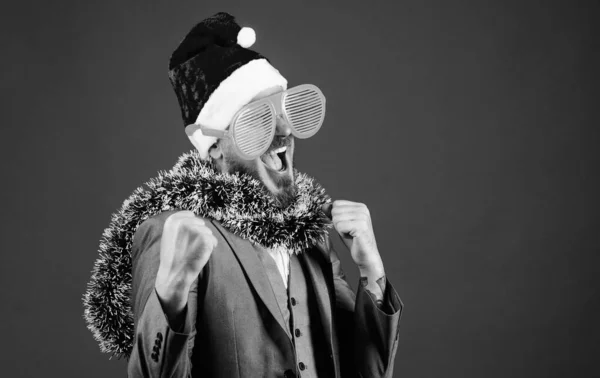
{"x":282,"y":180}
{"x":284,"y":190}
{"x":285,"y":197}
{"x":280,"y":185}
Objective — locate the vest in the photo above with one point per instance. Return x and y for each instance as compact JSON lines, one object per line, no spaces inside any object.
{"x":299,"y":309}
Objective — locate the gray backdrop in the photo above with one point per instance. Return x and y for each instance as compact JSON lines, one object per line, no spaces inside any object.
{"x":468,"y":128}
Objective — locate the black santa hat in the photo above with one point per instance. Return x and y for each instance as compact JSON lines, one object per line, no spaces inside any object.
{"x":214,"y":74}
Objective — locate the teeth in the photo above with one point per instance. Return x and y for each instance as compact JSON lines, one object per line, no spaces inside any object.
{"x":279,"y":150}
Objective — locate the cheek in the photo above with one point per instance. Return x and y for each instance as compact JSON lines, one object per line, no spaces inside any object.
{"x":253,"y":167}
{"x":260,"y":168}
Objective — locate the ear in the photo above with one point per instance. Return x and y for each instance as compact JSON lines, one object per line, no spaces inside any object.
{"x":215,"y":151}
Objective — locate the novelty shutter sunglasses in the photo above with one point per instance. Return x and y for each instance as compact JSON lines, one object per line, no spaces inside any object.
{"x":253,"y":127}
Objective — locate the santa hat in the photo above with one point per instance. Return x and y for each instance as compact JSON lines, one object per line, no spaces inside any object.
{"x":214,"y":74}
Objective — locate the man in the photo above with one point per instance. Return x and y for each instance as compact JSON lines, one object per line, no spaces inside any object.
{"x":232,"y":273}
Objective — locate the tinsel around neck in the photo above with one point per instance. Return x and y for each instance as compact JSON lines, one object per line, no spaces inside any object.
{"x":239,"y":202}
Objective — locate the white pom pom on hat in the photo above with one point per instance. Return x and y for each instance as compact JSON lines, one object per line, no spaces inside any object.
{"x":246,"y":37}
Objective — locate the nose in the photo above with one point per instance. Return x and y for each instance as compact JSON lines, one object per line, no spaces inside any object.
{"x":282,"y":129}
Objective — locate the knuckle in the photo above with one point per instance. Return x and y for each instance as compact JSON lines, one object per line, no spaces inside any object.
{"x":183,"y":214}
{"x":180,"y":216}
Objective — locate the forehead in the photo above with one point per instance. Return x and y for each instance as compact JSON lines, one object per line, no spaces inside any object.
{"x":267,"y":92}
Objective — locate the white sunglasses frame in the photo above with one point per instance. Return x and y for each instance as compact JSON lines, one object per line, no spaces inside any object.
{"x":275,"y":103}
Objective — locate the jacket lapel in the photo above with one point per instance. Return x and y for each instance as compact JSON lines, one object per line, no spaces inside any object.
{"x":248,"y":258}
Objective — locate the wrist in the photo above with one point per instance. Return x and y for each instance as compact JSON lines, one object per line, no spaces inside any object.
{"x":372,"y":269}
{"x":173,"y":298}
{"x":173,"y":286}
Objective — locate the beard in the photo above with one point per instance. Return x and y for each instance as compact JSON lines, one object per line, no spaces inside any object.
{"x":287,"y":195}
{"x":286,"y":185}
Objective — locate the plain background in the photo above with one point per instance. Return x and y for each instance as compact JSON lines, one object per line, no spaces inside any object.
{"x":469,"y":128}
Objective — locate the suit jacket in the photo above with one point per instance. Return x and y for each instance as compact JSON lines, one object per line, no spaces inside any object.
{"x":233,"y":325}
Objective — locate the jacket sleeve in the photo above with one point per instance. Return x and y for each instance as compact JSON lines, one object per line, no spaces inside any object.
{"x":159,"y":349}
{"x":368,"y":334}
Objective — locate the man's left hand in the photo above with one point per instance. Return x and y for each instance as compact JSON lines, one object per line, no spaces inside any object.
{"x":352,"y":221}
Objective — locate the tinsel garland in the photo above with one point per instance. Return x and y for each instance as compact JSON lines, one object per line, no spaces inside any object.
{"x":239,"y":202}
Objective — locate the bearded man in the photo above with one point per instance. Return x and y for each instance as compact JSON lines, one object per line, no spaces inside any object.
{"x":223,"y":267}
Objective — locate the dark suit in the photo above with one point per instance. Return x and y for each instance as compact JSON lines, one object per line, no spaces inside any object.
{"x":233,"y":325}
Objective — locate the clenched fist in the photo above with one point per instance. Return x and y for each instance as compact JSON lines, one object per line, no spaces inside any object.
{"x":352,"y":221}
{"x":185,"y":247}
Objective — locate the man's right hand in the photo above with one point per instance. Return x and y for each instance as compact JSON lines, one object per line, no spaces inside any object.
{"x":186,"y":246}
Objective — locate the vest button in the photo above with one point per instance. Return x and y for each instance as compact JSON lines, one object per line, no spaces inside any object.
{"x":293,"y":300}
{"x":289,"y":374}
{"x":302,"y":366}
{"x":297,"y":332}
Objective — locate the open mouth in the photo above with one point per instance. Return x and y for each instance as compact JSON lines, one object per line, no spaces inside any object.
{"x":276,"y":159}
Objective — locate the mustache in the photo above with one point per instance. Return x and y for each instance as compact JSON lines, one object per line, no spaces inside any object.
{"x":280,"y":142}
